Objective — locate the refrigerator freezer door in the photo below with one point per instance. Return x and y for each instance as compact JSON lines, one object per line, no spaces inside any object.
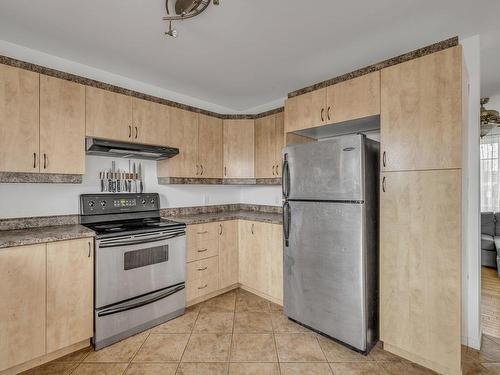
{"x":329,"y":170}
{"x":324,"y":269}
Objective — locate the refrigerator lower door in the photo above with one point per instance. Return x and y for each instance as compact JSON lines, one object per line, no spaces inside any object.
{"x":324,"y":271}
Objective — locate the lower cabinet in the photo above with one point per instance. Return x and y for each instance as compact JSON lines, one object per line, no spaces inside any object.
{"x":248,"y":253}
{"x":47,"y":299}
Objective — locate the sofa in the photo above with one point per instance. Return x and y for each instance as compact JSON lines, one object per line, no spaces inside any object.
{"x":490,"y":240}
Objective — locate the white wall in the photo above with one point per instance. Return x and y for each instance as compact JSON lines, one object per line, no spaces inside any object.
{"x":267,"y":195}
{"x":471,"y":256}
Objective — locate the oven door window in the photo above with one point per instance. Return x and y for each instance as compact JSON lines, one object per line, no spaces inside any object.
{"x":145,"y":257}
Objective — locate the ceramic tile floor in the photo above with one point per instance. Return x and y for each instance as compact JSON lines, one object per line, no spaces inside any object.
{"x":239,"y":333}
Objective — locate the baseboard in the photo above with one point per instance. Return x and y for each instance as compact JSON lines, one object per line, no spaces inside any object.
{"x":422,"y":361}
{"x":46,"y":358}
{"x":260,"y":294}
{"x":211,"y":295}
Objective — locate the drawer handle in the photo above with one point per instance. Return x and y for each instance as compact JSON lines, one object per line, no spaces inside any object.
{"x":202,"y":250}
{"x":204,"y":232}
{"x":202,"y":269}
{"x":203,"y":287}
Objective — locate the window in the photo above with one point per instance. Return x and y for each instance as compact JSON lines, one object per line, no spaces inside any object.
{"x":490,"y":176}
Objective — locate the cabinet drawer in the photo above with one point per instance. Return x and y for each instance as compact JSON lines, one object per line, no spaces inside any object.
{"x":204,"y":285}
{"x":203,"y":268}
{"x":202,"y":241}
{"x":203,"y":231}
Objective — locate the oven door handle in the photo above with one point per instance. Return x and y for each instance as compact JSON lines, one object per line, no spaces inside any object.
{"x":139,"y":241}
{"x":134,"y":305}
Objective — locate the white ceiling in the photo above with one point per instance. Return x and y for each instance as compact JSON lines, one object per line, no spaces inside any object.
{"x":245,"y":53}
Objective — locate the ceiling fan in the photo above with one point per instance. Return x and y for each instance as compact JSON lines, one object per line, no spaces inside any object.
{"x":178,"y":10}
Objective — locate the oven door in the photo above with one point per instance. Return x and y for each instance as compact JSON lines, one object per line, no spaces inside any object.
{"x":132,"y":266}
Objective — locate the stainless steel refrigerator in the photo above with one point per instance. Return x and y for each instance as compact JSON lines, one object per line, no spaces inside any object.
{"x":330,"y":223}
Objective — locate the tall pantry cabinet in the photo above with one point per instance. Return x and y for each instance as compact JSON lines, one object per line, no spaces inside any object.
{"x":420,"y":210}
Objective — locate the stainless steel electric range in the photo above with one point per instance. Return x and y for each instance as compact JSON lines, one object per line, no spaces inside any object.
{"x":140,"y":264}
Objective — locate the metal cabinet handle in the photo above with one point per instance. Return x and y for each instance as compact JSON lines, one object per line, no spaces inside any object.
{"x":197,"y":170}
{"x":204,"y":232}
{"x":45,"y":161}
{"x":130,"y":131}
{"x":274,"y":174}
{"x":202,"y":169}
{"x":203,"y":287}
{"x":90,"y":249}
{"x":383,"y":184}
{"x":136,"y":132}
{"x":220,"y":229}
{"x":252,"y":229}
{"x":225,"y":171}
{"x":202,"y":250}
{"x":322,"y":114}
{"x":328,"y":113}
{"x":384,"y":159}
{"x":202,"y":269}
{"x":286,"y":222}
{"x":34,"y":160}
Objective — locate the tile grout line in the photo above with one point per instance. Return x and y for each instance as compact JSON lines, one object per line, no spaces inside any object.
{"x":137,"y":351}
{"x":232,"y":334}
{"x":188,"y":340}
{"x":274,"y":340}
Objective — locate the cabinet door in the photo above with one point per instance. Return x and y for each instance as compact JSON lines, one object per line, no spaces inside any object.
{"x":210,"y":147}
{"x":19,"y":120}
{"x":421,"y":117}
{"x":279,"y":141}
{"x":151,"y":122}
{"x":248,"y":260}
{"x":70,"y":275}
{"x":239,"y":148}
{"x":356,"y":98}
{"x":420,"y":267}
{"x":22,"y":311}
{"x":265,"y":147}
{"x":274,"y":263}
{"x":305,"y":111}
{"x":108,"y":115}
{"x":184,"y":136}
{"x":228,"y":253}
{"x":62,"y":126}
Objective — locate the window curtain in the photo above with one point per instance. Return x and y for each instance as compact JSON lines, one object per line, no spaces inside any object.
{"x":490,"y":176}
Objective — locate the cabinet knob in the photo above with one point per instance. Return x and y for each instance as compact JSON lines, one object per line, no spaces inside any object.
{"x":328,"y":113}
{"x":136,"y":132}
{"x":45,"y":161}
{"x":34,"y":160}
{"x":130,"y":131}
{"x":383,"y":184}
{"x":202,"y":170}
{"x":220,"y":229}
{"x":384,"y":159}
{"x":322,"y":114}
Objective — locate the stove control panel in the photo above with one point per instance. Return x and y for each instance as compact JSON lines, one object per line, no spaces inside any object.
{"x":116,"y":203}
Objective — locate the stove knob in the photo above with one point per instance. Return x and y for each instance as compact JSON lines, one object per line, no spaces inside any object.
{"x":91,"y":203}
{"x":143,"y":201}
{"x":152,"y":201}
{"x":103,"y":203}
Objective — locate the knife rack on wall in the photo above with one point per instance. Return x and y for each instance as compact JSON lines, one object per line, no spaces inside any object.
{"x":117,"y":180}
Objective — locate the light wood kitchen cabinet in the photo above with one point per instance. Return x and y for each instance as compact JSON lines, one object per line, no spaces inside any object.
{"x":108,"y":115}
{"x":151,"y":122}
{"x":62,"y":126}
{"x":239,"y":150}
{"x":269,"y":138}
{"x":228,"y":253}
{"x":274,"y":255}
{"x":352,"y":99}
{"x":70,"y":279}
{"x":209,"y":147}
{"x":305,"y":111}
{"x":202,"y":241}
{"x":22,"y":311}
{"x":19,"y":120}
{"x":420,"y":267}
{"x":421,"y":117}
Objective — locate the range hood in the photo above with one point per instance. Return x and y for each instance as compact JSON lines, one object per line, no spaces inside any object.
{"x":117,"y":149}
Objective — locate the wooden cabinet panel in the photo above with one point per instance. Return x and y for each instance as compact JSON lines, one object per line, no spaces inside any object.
{"x":239,"y":148}
{"x":265,"y":147}
{"x":356,"y":98}
{"x":202,"y":268}
{"x":274,"y":261}
{"x":421,"y":113}
{"x":19,"y":120}
{"x":202,"y":241}
{"x":70,"y":277}
{"x":210,"y":146}
{"x":305,"y":111}
{"x":22,"y":311}
{"x":248,"y":259}
{"x":151,"y":122}
{"x":420,"y":267}
{"x":62,"y":126}
{"x":184,"y":136}
{"x":202,"y":286}
{"x":279,"y":141}
{"x":228,"y":253}
{"x":108,"y":115}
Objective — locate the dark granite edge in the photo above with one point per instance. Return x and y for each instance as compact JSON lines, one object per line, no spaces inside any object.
{"x":270,"y":218}
{"x":427,"y":50}
{"x":32,"y":236}
{"x":39,"y":178}
{"x":6,"y":60}
{"x":220,"y":208}
{"x":218,"y":181}
{"x":37,"y":222}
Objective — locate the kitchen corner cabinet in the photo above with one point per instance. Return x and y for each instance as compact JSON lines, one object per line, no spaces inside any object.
{"x":19,"y":120}
{"x":421,"y":120}
{"x":269,"y":138}
{"x":348,"y":100}
{"x":47,"y":299}
{"x":228,"y":253}
{"x":238,"y":141}
{"x":150,"y":122}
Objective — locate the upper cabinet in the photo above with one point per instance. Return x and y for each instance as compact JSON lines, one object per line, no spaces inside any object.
{"x":150,"y":122}
{"x":209,"y":147}
{"x":269,"y":138}
{"x":356,"y":98}
{"x":239,"y":149}
{"x":109,"y":115}
{"x":422,"y":110}
{"x":19,"y":120}
{"x":62,"y":126}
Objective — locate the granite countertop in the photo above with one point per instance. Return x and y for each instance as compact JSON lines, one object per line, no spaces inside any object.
{"x":30,"y":236}
{"x":200,"y":218}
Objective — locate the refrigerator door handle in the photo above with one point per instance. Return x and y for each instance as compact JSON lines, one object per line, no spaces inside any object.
{"x":285,"y":183}
{"x":286,"y":222}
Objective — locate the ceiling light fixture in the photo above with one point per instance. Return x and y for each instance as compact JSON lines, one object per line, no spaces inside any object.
{"x":489,"y":118}
{"x":178,"y":10}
